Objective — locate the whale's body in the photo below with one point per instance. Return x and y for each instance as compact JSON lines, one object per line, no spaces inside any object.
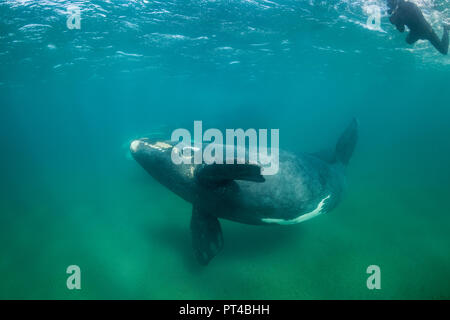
{"x":304,"y":187}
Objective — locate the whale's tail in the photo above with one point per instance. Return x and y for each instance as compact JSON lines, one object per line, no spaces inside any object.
{"x":346,"y":143}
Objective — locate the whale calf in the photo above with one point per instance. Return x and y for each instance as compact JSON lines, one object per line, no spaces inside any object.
{"x":305,"y":186}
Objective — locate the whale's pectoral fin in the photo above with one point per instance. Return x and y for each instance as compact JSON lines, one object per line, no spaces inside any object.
{"x":347,"y":142}
{"x":217,"y":174}
{"x":207,"y":239}
{"x":327,"y":155}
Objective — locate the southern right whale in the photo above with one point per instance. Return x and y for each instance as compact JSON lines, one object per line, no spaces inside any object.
{"x":305,"y":186}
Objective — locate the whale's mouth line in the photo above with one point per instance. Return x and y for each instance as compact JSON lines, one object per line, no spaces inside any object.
{"x":306,"y":216}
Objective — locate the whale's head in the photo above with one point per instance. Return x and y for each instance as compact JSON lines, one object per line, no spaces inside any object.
{"x":156,"y":158}
{"x":150,"y":154}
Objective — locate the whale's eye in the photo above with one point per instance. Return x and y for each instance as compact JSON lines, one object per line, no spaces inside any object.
{"x":187,"y":152}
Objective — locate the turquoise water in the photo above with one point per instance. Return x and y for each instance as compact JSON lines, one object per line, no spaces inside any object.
{"x":72,"y":101}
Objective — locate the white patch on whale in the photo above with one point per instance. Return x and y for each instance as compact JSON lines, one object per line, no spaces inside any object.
{"x":134,"y":145}
{"x":158,"y":146}
{"x":317,"y":211}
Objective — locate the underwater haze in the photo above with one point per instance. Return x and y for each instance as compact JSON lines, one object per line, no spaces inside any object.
{"x":72,"y":100}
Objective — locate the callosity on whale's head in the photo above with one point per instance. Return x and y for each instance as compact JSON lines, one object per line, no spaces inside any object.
{"x":147,"y":152}
{"x":156,"y":158}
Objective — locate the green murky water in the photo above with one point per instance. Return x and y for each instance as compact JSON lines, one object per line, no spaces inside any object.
{"x":72,"y":100}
